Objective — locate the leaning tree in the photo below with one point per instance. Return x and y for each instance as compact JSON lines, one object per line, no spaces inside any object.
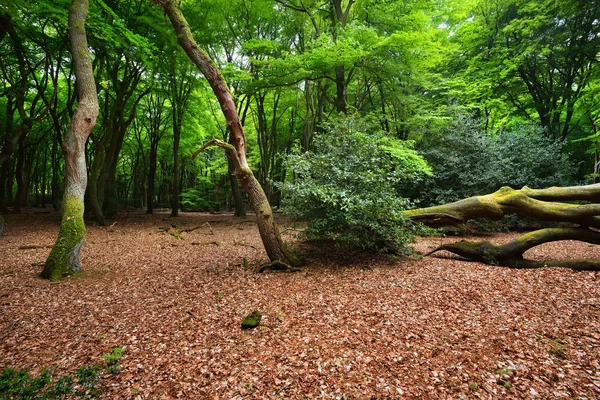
{"x":236,"y":149}
{"x":64,"y":257}
{"x":578,"y":207}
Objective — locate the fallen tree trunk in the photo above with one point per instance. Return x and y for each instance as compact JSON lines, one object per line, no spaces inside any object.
{"x":543,"y":204}
{"x":511,"y":254}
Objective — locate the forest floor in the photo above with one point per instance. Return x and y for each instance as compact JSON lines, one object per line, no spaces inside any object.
{"x":349,"y":325}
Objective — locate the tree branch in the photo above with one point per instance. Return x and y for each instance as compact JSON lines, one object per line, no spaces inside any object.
{"x":511,"y":254}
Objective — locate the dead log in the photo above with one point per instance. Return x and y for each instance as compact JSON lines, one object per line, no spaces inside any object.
{"x":543,"y":204}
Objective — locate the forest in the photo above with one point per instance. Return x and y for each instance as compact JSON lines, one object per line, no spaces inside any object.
{"x":428,"y":172}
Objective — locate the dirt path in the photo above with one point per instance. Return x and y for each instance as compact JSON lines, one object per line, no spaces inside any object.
{"x":347,"y":326}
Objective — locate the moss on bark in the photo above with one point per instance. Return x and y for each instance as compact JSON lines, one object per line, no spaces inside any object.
{"x":64,"y":257}
{"x":543,"y":204}
{"x":533,"y":203}
{"x":511,"y":254}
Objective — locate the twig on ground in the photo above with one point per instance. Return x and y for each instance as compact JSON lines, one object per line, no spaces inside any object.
{"x":35,"y":246}
{"x":235,"y":242}
{"x":209,"y":227}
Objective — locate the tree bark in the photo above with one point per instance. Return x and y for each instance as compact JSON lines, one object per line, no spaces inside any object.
{"x":176,"y":183}
{"x":544,"y":204}
{"x":64,"y":257}
{"x":269,"y":232}
{"x":511,"y":254}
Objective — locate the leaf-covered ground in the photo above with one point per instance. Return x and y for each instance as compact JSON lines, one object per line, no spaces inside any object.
{"x":348,"y":326}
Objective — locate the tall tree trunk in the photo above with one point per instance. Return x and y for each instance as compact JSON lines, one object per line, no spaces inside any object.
{"x":54,"y":182}
{"x":341,"y":103}
{"x":4,"y":164}
{"x":19,"y":175}
{"x":64,"y":257}
{"x":156,"y":129}
{"x":95,"y":201}
{"x":151,"y":179}
{"x":42,"y":202}
{"x":238,"y":199}
{"x":4,"y":172}
{"x":274,"y":246}
{"x":175,"y":192}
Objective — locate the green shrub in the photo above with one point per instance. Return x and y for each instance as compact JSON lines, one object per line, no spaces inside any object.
{"x":467,"y":161}
{"x":346,"y":187}
{"x":191,"y":197}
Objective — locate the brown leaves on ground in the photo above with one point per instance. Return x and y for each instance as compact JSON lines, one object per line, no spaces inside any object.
{"x":350,"y":325}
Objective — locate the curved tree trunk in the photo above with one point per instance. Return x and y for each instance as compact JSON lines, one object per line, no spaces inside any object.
{"x":544,"y":204}
{"x":269,"y":231}
{"x":511,"y":253}
{"x":64,"y":257}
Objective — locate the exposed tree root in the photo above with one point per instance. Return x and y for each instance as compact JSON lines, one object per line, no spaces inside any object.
{"x":511,"y":254}
{"x":278,"y":266}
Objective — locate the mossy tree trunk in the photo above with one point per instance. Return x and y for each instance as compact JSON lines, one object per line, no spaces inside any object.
{"x":269,"y":232}
{"x":543,"y":204}
{"x":64,"y":257}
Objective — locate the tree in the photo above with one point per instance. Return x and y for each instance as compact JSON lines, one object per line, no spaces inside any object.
{"x":538,"y":55}
{"x":274,"y":245}
{"x":121,"y":90}
{"x":544,"y":204}
{"x":64,"y":257}
{"x":154,"y":111}
{"x":180,"y":82}
{"x":32,"y":44}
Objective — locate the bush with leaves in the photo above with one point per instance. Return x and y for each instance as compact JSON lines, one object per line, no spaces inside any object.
{"x":346,"y":187}
{"x":467,"y":161}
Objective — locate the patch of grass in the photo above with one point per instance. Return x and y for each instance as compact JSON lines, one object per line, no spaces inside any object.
{"x":112,"y":360}
{"x":21,"y":384}
{"x":504,"y":371}
{"x":558,"y":348}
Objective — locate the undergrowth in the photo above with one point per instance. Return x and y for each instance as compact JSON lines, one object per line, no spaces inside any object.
{"x":21,"y":384}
